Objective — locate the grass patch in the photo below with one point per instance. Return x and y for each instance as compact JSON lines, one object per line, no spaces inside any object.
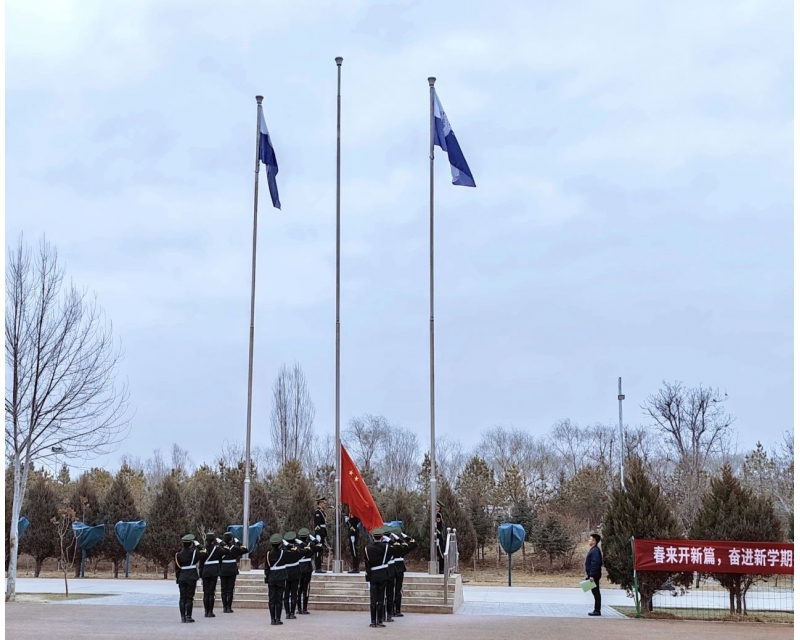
{"x":716,"y":615}
{"x":40,"y":598}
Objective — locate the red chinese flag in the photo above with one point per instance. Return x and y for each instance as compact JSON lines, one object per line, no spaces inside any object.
{"x":356,"y":495}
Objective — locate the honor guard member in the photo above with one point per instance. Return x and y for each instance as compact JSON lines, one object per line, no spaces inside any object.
{"x":440,"y":540}
{"x":291,"y":560}
{"x":408,"y":544}
{"x":210,"y":571}
{"x":320,"y":531}
{"x":309,"y":548}
{"x":352,"y":523}
{"x":376,"y":563}
{"x":275,"y":577}
{"x":186,"y":574}
{"x":394,"y":553}
{"x":229,"y":569}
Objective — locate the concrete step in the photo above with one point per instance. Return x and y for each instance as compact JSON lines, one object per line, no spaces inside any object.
{"x":331,"y":606}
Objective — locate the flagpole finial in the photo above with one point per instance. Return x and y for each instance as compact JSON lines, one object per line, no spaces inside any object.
{"x":259,"y":99}
{"x":339,"y":60}
{"x":431,"y":81}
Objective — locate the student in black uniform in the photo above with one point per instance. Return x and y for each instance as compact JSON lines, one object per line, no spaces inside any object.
{"x":396,"y":552}
{"x":217,"y":550}
{"x":320,"y":531}
{"x":376,"y":557}
{"x":229,"y":569}
{"x":309,"y":548}
{"x":291,"y":559}
{"x":186,"y":574}
{"x":408,"y":545}
{"x":353,"y":523}
{"x":275,"y":576}
{"x":440,"y":540}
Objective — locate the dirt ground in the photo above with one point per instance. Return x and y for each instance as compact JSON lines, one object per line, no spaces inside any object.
{"x":36,"y":621}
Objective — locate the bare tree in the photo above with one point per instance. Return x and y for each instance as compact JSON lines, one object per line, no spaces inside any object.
{"x":400,"y":459}
{"x":571,"y":443}
{"x":450,"y":458}
{"x":156,"y":468}
{"x":365,"y":437}
{"x":181,"y":461}
{"x":293,"y":412}
{"x":61,"y":366}
{"x":67,"y":542}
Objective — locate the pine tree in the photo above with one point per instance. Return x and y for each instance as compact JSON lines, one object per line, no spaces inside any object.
{"x":584,"y":497}
{"x":642,"y":512}
{"x":294,"y":497}
{"x":167,"y":523}
{"x":484,"y":527}
{"x":212,"y":515}
{"x":85,"y":502}
{"x":729,"y":511}
{"x":118,"y":506}
{"x":261,"y":508}
{"x":476,"y":483}
{"x":455,"y":517}
{"x":41,"y":505}
{"x":522,"y":513}
{"x":552,"y":538}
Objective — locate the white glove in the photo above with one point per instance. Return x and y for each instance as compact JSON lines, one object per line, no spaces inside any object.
{"x":219,"y":541}
{"x":319,"y":539}
{"x":196,"y":543}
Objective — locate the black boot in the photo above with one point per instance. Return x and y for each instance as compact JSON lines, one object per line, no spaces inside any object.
{"x":182,"y":607}
{"x":189,"y":607}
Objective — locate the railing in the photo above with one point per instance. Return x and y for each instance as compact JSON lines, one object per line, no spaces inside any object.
{"x":450,"y":558}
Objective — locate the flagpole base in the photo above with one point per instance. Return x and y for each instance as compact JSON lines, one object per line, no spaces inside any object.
{"x":244,"y":564}
{"x":337,"y":566}
{"x":433,"y":568}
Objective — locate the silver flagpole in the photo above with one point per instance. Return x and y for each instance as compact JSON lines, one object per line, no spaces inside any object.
{"x":433,"y":564}
{"x":246,"y":501}
{"x":621,"y":397}
{"x":337,"y":564}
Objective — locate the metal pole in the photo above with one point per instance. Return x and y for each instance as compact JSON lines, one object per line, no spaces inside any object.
{"x":621,"y":397}
{"x":337,"y":564}
{"x":246,"y":502}
{"x":433,"y":565}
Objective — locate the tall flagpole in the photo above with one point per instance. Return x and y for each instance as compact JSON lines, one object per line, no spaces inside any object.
{"x":433,"y":564}
{"x":337,"y":564}
{"x":246,"y":501}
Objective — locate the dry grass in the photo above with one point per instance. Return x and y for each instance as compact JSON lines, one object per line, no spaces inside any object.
{"x":719,"y":615}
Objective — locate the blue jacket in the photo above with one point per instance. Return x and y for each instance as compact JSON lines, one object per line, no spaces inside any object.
{"x":594,"y":562}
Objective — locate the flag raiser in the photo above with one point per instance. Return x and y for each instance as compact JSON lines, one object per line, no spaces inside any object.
{"x":446,"y":139}
{"x":356,"y":495}
{"x":266,"y":154}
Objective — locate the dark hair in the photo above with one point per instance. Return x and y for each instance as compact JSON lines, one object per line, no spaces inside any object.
{"x":596,"y":537}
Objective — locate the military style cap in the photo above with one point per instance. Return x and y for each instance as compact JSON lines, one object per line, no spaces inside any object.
{"x":303,"y":533}
{"x":211,"y":535}
{"x":321,"y":498}
{"x":378,"y":531}
{"x":276,"y":538}
{"x":289,"y":536}
{"x":189,"y":537}
{"x":227,"y":535}
{"x":439,"y":504}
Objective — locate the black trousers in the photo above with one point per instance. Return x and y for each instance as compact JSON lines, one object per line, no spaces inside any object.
{"x":596,"y":594}
{"x":390,"y":597}
{"x":226,"y":586}
{"x":290,"y":596}
{"x":441,"y":564}
{"x":354,"y":557}
{"x":209,"y":593}
{"x":377,"y":596}
{"x":276,"y":599}
{"x":302,"y":591}
{"x":318,"y":556}
{"x":186,"y":597}
{"x":398,"y":592}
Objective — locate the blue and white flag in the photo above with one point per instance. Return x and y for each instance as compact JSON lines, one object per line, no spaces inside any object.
{"x":446,"y":139}
{"x":266,"y":154}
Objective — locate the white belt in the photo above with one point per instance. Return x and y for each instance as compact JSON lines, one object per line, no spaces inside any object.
{"x":306,"y":560}
{"x":294,"y":564}
{"x":234,"y":560}
{"x":191,"y":566}
{"x":213,"y":562}
{"x":381,"y":566}
{"x":277,"y":567}
{"x":322,"y":526}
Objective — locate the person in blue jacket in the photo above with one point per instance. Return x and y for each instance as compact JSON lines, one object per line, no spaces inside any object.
{"x":594,"y":566}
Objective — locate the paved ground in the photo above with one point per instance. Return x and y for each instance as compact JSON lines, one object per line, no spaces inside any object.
{"x":37,"y":621}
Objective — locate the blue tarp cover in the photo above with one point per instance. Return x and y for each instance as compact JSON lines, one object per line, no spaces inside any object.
{"x":255,"y":531}
{"x":88,"y":536}
{"x":394,"y":523}
{"x":511,"y":537}
{"x":129,"y":533}
{"x":21,"y":526}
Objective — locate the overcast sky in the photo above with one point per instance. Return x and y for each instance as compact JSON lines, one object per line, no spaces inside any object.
{"x":632,"y":216}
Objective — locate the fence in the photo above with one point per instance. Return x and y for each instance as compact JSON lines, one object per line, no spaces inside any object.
{"x":450,"y":558}
{"x":714,"y":579}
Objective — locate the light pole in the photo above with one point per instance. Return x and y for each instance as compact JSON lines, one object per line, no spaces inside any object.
{"x":56,"y":450}
{"x":621,"y":397}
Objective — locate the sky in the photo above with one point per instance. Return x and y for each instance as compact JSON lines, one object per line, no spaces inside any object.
{"x":632,"y":215}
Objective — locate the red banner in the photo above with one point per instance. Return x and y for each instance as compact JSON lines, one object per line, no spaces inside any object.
{"x":713,"y":556}
{"x":356,"y":494}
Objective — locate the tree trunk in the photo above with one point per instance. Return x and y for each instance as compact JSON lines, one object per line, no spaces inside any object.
{"x":37,"y":567}
{"x":166,"y":569}
{"x":730,"y":594}
{"x":115,"y":564}
{"x":20,"y":482}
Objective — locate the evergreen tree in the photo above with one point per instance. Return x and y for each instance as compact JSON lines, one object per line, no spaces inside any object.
{"x":642,"y":512}
{"x":118,"y":505}
{"x":455,"y":517}
{"x":294,"y":497}
{"x":41,"y":505}
{"x":729,"y":511}
{"x":167,"y":523}
{"x":584,"y":497}
{"x":552,"y":538}
{"x":85,"y":503}
{"x":476,"y":483}
{"x":522,"y":513}
{"x":484,"y":527}
{"x":261,"y":508}
{"x":212,"y":515}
